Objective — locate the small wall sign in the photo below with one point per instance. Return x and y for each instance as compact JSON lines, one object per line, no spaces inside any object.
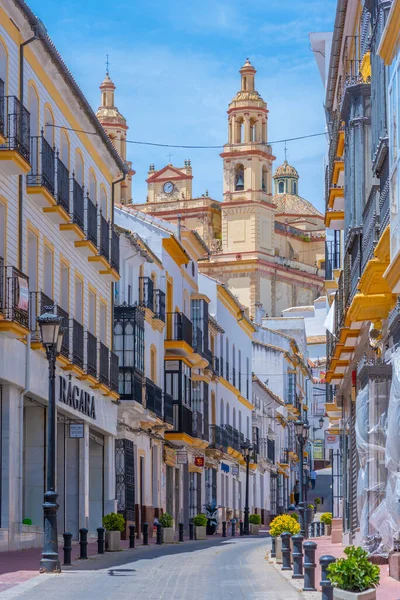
{"x":224,"y":468}
{"x":181,"y":457}
{"x":76,"y":430}
{"x":199,"y":461}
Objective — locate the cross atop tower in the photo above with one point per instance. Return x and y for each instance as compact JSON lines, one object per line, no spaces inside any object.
{"x":107,"y":65}
{"x":285,"y":152}
{"x":169,"y":158}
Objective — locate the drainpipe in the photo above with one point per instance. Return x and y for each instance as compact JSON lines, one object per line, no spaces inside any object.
{"x":21,"y":421}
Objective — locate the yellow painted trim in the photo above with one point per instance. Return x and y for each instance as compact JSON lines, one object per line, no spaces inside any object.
{"x":50,"y":109}
{"x":110,"y":271}
{"x":365,"y":68}
{"x":338,"y":167}
{"x":86,"y":244}
{"x":32,"y":84}
{"x":13,"y":328}
{"x":179,"y":437}
{"x":189,"y":280}
{"x":99,"y":258}
{"x":245,"y":402}
{"x":57,"y":209}
{"x":35,"y":190}
{"x":78,"y":152}
{"x":234,"y":308}
{"x":335,"y":192}
{"x":333,"y":215}
{"x":178,"y":357}
{"x":73,"y":227}
{"x":382,"y":249}
{"x":4,"y":44}
{"x":390,"y":36}
{"x":340,"y":143}
{"x":175,"y":250}
{"x":178,"y":345}
{"x":14,"y":156}
{"x":3,"y":251}
{"x":194,"y":469}
{"x":229,"y":386}
{"x":50,"y":247}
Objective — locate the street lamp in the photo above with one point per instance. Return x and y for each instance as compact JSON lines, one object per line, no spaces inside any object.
{"x":51,"y":334}
{"x":302,"y":430}
{"x":246,"y":452}
{"x":320,"y":423}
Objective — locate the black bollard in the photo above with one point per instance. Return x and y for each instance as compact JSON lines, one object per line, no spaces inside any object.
{"x":309,"y":566}
{"x":191,"y":531}
{"x":312,"y":527}
{"x":67,"y":548}
{"x":286,"y":551}
{"x":180,"y":527}
{"x":100,"y":540}
{"x":325,"y":583}
{"x":145,"y":534}
{"x":233,"y":528}
{"x":322,"y":528}
{"x":241,"y":528}
{"x":302,"y":519}
{"x":297,"y":556}
{"x":159,"y":534}
{"x":273,"y":547}
{"x":223,"y":528}
{"x":318,"y":529}
{"x":132,"y":536}
{"x":83,"y":542}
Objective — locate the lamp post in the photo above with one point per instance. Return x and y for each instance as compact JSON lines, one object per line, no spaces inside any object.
{"x":246,"y":450}
{"x":302,"y":430}
{"x":51,"y":334}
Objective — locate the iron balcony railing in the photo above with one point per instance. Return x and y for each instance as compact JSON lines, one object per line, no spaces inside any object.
{"x":130,"y":384}
{"x":39,"y":303}
{"x":197,"y":424}
{"x":62,"y":178}
{"x":146,"y":293}
{"x":183,"y":420}
{"x":104,"y":238}
{"x":91,"y":354}
{"x":159,"y":310}
{"x":114,"y":371}
{"x":271,"y":450}
{"x":168,"y":408}
{"x":78,"y":207}
{"x":384,"y":207}
{"x":370,"y":226}
{"x":91,"y":221}
{"x":14,"y":295}
{"x":218,"y":438}
{"x":14,"y":124}
{"x":77,"y":343}
{"x":332,"y":258}
{"x":154,"y":398}
{"x":104,"y":364}
{"x":234,"y":437}
{"x":43,"y":162}
{"x":179,"y":328}
{"x":197,"y":342}
{"x":114,"y":250}
{"x":215,"y":365}
{"x":65,"y":350}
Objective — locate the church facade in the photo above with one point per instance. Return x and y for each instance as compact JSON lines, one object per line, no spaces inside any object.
{"x":265,"y":241}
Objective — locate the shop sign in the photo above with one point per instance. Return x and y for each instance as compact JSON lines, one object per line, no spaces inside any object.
{"x":76,"y":430}
{"x":332,"y":440}
{"x":199,"y":461}
{"x":235,"y":470}
{"x":23,"y":296}
{"x":224,"y":468}
{"x":78,"y":399}
{"x":318,"y":449}
{"x":181,"y":457}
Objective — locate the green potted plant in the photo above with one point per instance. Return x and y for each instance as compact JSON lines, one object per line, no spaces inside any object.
{"x":317,"y":502}
{"x":327,"y":519}
{"x":200,"y":526}
{"x":167,"y":523}
{"x":309,"y":512}
{"x":255,"y":522}
{"x":279,"y":525}
{"x":354,"y":577}
{"x":114,"y":524}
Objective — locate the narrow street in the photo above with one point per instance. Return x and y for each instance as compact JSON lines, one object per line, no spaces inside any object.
{"x":235,"y":569}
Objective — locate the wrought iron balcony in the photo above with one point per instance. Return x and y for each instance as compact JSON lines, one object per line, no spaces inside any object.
{"x":65,"y":350}
{"x":130,"y":384}
{"x":114,"y":250}
{"x":332,"y":258}
{"x":91,"y":354}
{"x":179,"y":328}
{"x":370,"y":226}
{"x":43,"y":161}
{"x":159,"y":310}
{"x":91,"y":221}
{"x":233,"y":437}
{"x":104,"y":238}
{"x":271,"y":450}
{"x":168,"y":408}
{"x":183,"y":420}
{"x":77,"y":344}
{"x":197,"y":343}
{"x":218,"y":438}
{"x":114,"y":372}
{"x":14,"y":124}
{"x":62,"y":191}
{"x":39,"y":303}
{"x":197,"y":424}
{"x":215,"y":365}
{"x":104,"y":373}
{"x":154,"y":398}
{"x":146,"y":293}
{"x":14,"y":295}
{"x":384,"y":207}
{"x":78,"y":208}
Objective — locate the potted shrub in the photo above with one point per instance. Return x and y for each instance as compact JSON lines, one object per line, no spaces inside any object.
{"x":354,"y":577}
{"x":278,"y":526}
{"x":200,"y":526}
{"x":317,"y":502}
{"x":309,"y":513}
{"x":167,"y":523}
{"x":114,"y":523}
{"x":327,"y":519}
{"x":255,"y":522}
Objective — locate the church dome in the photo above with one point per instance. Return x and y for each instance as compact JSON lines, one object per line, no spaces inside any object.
{"x":286,"y":170}
{"x":291,"y":204}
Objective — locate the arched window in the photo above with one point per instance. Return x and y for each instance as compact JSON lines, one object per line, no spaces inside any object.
{"x":239,"y":177}
{"x":253,"y":130}
{"x":227,"y":414}
{"x":33,"y":107}
{"x":239,"y":131}
{"x":234,"y":417}
{"x":245,"y":83}
{"x":281,"y":187}
{"x":233,"y":365}
{"x":264,"y":180}
{"x":240,"y":421}
{"x":48,"y":126}
{"x":64,"y":149}
{"x":103,"y":202}
{"x":221,"y":413}
{"x":294,"y":187}
{"x":227,"y":359}
{"x":3,"y":66}
{"x":92,"y":187}
{"x":153,"y":363}
{"x":79,"y":167}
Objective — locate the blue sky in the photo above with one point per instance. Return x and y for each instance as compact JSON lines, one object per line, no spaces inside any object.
{"x":175,"y":65}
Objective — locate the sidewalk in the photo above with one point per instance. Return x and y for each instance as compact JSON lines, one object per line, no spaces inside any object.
{"x":388,"y":589}
{"x":19,"y":566}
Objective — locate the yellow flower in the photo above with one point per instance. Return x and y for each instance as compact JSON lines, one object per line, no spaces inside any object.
{"x":284,"y":523}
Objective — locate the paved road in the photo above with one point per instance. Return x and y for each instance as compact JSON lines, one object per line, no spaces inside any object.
{"x":218,"y":570}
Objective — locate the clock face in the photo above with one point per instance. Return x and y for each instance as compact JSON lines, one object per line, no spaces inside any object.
{"x":168,"y":187}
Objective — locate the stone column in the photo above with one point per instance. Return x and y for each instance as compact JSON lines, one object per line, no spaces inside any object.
{"x":110,"y":502}
{"x":230,"y":130}
{"x":84,"y":478}
{"x":247,"y":129}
